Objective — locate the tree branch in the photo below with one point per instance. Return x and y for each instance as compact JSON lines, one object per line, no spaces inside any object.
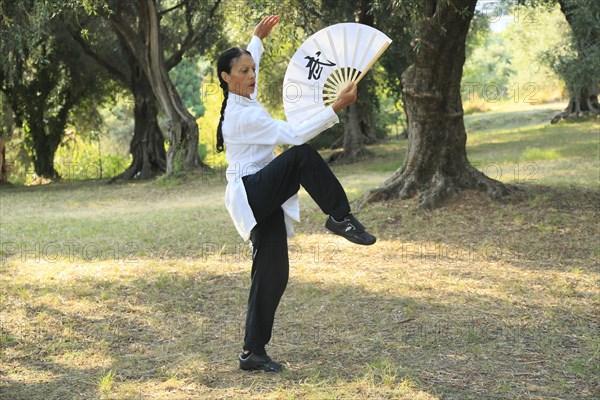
{"x":112,"y":69}
{"x":168,"y":10}
{"x":191,"y":39}
{"x":129,"y":35}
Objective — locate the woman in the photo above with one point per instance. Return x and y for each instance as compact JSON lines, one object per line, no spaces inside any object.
{"x":261,"y":194}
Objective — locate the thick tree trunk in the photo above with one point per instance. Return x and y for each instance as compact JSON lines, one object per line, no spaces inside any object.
{"x":182,"y":154}
{"x":147,"y":147}
{"x":145,"y":44}
{"x":44,"y":148}
{"x":436,"y":163}
{"x":354,"y":138}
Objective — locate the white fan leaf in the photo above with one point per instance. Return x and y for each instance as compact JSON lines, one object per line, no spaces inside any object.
{"x":325,"y":64}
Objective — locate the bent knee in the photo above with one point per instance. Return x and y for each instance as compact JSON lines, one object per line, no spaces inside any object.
{"x":305,"y":148}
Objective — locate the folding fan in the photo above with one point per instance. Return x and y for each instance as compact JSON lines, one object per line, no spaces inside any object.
{"x":326,"y":63}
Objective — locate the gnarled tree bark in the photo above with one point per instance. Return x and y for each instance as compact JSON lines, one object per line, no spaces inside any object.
{"x":581,"y":102}
{"x":147,"y":147}
{"x":436,"y":163}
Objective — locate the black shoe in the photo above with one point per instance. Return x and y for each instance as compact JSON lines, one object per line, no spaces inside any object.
{"x":351,"y":229}
{"x":255,"y":362}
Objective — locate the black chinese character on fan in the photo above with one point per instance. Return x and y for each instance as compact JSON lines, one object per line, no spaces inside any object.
{"x":315,"y":67}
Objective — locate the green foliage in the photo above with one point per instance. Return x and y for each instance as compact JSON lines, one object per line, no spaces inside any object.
{"x":118,"y":123}
{"x":488,"y":69}
{"x":23,"y":25}
{"x":84,"y":158}
{"x":18,"y":161}
{"x":186,"y":77}
{"x":527,"y":38}
{"x":479,"y":32}
{"x":508,"y":65}
{"x":178,"y":158}
{"x":576,"y":57}
{"x":46,"y":78}
{"x":182,"y":23}
{"x":212,"y":98}
{"x":202,"y":151}
{"x":80,"y":156}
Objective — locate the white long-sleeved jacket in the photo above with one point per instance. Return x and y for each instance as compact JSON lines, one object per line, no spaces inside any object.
{"x":250,"y":136}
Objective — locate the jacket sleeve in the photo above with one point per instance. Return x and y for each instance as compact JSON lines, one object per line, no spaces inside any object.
{"x":256,"y":48}
{"x":257,"y":127}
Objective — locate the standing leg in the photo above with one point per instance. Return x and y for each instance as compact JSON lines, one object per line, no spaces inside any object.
{"x":270,"y":270}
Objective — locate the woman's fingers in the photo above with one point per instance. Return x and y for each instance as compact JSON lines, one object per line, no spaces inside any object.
{"x":271,"y":21}
{"x":264,"y":27}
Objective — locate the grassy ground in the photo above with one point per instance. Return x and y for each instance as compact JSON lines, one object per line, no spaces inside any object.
{"x":137,"y":291}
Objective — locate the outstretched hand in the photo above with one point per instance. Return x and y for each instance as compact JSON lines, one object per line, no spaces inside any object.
{"x":264,"y":27}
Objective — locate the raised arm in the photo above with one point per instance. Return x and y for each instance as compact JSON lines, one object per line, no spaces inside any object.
{"x":255,"y":47}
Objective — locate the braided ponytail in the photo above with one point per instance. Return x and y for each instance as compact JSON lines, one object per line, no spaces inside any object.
{"x":224,"y":65}
{"x":220,"y":146}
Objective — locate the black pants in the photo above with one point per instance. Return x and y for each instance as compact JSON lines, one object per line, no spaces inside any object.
{"x":267,"y":190}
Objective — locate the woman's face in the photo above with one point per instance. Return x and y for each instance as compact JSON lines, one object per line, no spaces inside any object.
{"x":242,"y":79}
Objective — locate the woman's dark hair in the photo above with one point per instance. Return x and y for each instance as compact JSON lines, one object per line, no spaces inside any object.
{"x":224,"y":64}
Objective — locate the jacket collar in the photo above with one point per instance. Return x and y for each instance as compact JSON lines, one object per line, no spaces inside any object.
{"x":241,"y":100}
